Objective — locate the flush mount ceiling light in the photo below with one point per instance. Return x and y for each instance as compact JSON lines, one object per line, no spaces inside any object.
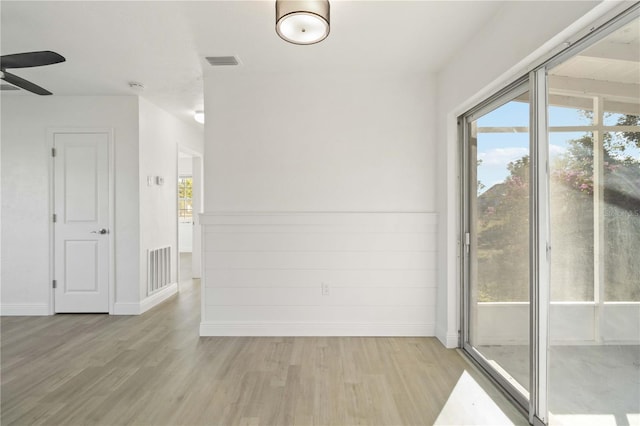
{"x":302,"y":21}
{"x":199,"y":116}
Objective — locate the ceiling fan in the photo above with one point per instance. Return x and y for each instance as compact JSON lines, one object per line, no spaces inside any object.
{"x":27,"y":60}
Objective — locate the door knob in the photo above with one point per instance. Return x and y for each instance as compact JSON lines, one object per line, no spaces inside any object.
{"x":101,"y":231}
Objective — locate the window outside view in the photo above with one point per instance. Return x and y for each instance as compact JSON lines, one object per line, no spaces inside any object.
{"x":500,"y":246}
{"x":185,"y":199}
{"x":503,"y":205}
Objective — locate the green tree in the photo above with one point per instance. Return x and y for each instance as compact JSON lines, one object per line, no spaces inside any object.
{"x":503,"y":229}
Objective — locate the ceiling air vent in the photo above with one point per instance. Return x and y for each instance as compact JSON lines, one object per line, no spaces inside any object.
{"x":221,"y":61}
{"x":8,"y":87}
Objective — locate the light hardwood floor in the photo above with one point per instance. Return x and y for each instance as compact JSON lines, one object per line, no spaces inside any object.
{"x":154,"y":369}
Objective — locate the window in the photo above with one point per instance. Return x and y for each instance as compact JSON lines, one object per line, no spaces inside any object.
{"x":185,"y":199}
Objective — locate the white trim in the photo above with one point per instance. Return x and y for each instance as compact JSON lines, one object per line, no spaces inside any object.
{"x":386,"y":221}
{"x":125,"y":308}
{"x":112,"y":221}
{"x":50,"y":134}
{"x":33,"y":309}
{"x":314,"y":329}
{"x":449,"y":340}
{"x":203,"y":273}
{"x":190,"y":151}
{"x":147,"y":303}
{"x":158,"y":297}
{"x":194,"y":154}
{"x":177,"y":207}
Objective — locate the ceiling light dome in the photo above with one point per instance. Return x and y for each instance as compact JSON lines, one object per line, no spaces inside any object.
{"x":302,"y":21}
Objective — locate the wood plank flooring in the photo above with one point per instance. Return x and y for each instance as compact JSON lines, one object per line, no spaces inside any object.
{"x":154,"y":369}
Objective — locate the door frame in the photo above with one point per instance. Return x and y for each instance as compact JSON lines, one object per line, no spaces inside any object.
{"x":540,"y":247}
{"x":200,"y":175}
{"x":507,"y":94}
{"x":51,"y":132}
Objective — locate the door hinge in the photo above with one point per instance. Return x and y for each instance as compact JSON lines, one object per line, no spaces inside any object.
{"x":55,"y":218}
{"x":467,"y":241}
{"x":53,"y":152}
{"x":55,"y":284}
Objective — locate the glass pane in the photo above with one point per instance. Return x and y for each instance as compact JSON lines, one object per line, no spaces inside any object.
{"x":619,"y":119}
{"x":185,"y":202}
{"x":571,"y":205}
{"x":499,"y":279}
{"x":621,"y":197}
{"x":188,"y":208}
{"x":594,"y":312}
{"x":567,"y":116}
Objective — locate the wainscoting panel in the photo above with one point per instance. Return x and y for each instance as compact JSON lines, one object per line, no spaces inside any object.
{"x":301,"y":277}
{"x":319,"y":274}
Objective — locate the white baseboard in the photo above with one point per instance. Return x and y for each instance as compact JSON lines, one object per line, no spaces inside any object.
{"x":126,"y":308}
{"x":449,"y":340}
{"x":147,"y":303}
{"x":159,"y":297}
{"x":34,"y":309}
{"x":314,"y":329}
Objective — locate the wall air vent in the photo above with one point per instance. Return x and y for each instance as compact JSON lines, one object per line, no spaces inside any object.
{"x":8,"y":87}
{"x":222,"y":61}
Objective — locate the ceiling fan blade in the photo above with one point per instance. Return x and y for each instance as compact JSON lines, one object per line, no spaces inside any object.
{"x":30,"y":59}
{"x":24,"y":84}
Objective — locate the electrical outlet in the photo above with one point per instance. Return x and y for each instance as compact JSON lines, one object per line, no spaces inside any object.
{"x":325,"y":289}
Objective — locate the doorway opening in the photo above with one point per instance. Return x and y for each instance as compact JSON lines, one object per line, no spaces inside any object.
{"x":189,"y":206}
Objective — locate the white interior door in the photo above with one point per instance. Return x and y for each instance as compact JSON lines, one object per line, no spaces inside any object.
{"x":81,"y":229}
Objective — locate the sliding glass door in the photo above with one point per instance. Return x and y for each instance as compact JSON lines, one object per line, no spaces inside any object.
{"x":497,"y":200}
{"x":550,"y":232}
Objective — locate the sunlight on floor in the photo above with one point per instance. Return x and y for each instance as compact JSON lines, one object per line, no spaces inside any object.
{"x":584,"y":420}
{"x":471,"y":403}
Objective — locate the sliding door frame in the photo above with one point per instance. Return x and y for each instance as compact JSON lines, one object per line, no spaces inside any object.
{"x":540,"y":247}
{"x":517,"y":88}
{"x":536,"y":406}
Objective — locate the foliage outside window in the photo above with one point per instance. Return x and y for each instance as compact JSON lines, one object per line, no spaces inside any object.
{"x":185,"y":198}
{"x":503,"y":211}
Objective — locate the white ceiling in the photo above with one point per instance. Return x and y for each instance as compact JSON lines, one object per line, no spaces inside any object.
{"x":162,"y":44}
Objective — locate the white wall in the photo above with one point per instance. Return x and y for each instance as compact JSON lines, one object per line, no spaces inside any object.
{"x":501,"y":51}
{"x":319,"y":142}
{"x":25,"y":192}
{"x":160,"y":134}
{"x":185,"y":166}
{"x":334,"y":143}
